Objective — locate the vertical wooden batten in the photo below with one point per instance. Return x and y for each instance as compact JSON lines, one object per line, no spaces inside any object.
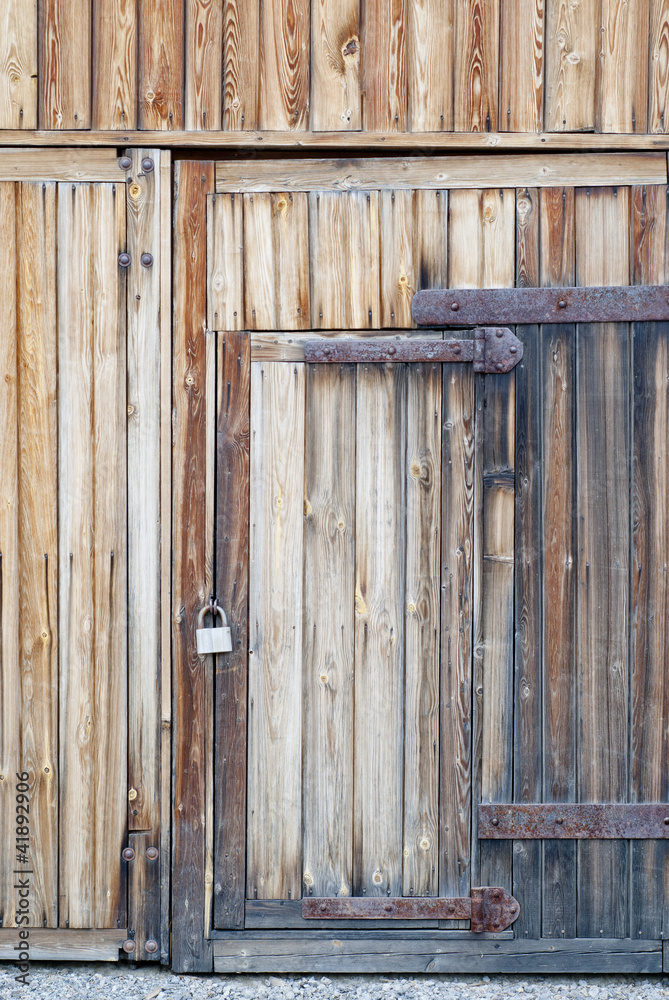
{"x":18,"y":64}
{"x":65,"y":65}
{"x":161,"y":67}
{"x":115,"y":60}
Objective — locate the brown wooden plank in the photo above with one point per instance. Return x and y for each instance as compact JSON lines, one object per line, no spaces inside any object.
{"x":649,"y":610}
{"x":572,"y":43}
{"x":115,"y":61}
{"x":10,"y":674}
{"x":241,"y":64}
{"x":161,"y":67}
{"x":232,"y":590}
{"x":284,"y":65}
{"x":335,"y":65}
{"x":527,"y":736}
{"x":191,"y":951}
{"x":384,"y":66}
{"x":602,"y":617}
{"x":420,"y":864}
{"x":274,"y":815}
{"x":623,"y":66}
{"x":559,"y":727}
{"x":47,"y":164}
{"x":108,"y":428}
{"x":203,"y":69}
{"x":430,"y":249}
{"x":225,"y":262}
{"x":363,"y":259}
{"x":379,"y":630}
{"x":64,"y":945}
{"x":328,"y":650}
{"x":18,"y":64}
{"x":259,"y":264}
{"x":429,"y":49}
{"x":290,"y":224}
{"x":328,"y":260}
{"x":76,"y":575}
{"x":659,"y":66}
{"x":521,"y":63}
{"x":475,"y":67}
{"x":64,"y":65}
{"x":398,"y":281}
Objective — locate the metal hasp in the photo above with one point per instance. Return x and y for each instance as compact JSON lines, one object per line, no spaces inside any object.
{"x":522,"y":306}
{"x":574,"y":821}
{"x":489,"y":909}
{"x":494,"y":350}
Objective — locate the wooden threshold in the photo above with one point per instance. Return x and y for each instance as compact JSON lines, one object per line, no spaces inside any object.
{"x":59,"y":945}
{"x":456,"y":141}
{"x":428,"y":952}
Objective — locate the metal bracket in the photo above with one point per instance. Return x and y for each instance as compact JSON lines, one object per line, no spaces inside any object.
{"x":522,"y":306}
{"x":489,"y":909}
{"x":574,"y":821}
{"x":493,"y":349}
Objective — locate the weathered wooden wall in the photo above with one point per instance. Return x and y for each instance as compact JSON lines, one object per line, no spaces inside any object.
{"x":335,"y":65}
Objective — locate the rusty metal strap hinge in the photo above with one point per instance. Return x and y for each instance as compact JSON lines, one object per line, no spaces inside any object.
{"x":522,"y":306}
{"x":574,"y":821}
{"x":489,"y":909}
{"x":492,"y":350}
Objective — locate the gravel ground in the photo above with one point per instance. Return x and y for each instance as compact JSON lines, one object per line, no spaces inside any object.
{"x":101,"y":981}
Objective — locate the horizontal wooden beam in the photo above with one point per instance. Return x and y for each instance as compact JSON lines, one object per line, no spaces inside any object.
{"x":57,"y":945}
{"x":60,"y":165}
{"x":455,"y":141}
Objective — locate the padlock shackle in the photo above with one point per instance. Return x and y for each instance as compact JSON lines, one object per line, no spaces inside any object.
{"x":213,"y":610}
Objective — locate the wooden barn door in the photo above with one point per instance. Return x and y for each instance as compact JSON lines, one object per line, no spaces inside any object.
{"x":80,"y":581}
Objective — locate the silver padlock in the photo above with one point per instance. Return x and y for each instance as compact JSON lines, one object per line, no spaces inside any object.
{"x":213,"y":640}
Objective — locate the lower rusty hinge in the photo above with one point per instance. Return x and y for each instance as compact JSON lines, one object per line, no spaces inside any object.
{"x":489,"y":909}
{"x":574,"y":821}
{"x":493,"y":349}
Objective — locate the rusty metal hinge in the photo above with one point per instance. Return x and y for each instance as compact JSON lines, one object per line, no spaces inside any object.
{"x":493,"y":349}
{"x":574,"y":821}
{"x":489,"y":909}
{"x":522,"y":306}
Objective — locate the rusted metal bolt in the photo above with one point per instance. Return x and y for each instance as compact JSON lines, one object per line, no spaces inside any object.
{"x":457,"y":349}
{"x":499,"y":366}
{"x":495,"y":821}
{"x":128,"y":946}
{"x":666,"y":820}
{"x":128,"y":854}
{"x":500,"y":334}
{"x":147,"y":165}
{"x":388,"y":908}
{"x":152,"y":853}
{"x":151,"y":946}
{"x":124,"y":259}
{"x":392,"y":350}
{"x":146,"y":260}
{"x":454,"y":306}
{"x":496,"y":894}
{"x":562,"y":304}
{"x":513,"y":350}
{"x":323,"y":907}
{"x":125,"y":163}
{"x":559,"y":820}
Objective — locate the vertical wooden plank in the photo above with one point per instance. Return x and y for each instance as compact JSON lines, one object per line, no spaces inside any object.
{"x":76,"y":577}
{"x":623,"y":66}
{"x":203,"y":67}
{"x":430,"y":249}
{"x":429,"y":52}
{"x":398,"y":281}
{"x":290,"y":224}
{"x":363,"y":259}
{"x":38,"y":533}
{"x":115,"y":62}
{"x":475,"y":66}
{"x":18,"y":64}
{"x":274,"y":844}
{"x":559,"y":700}
{"x":521,"y":66}
{"x":420,"y":868}
{"x":109,"y":553}
{"x":241,"y":64}
{"x":335,"y":65}
{"x":225,"y":262}
{"x":379,"y":630}
{"x":329,"y":559}
{"x":191,"y":950}
{"x":649,"y":613}
{"x":328,"y":260}
{"x":259,"y":263}
{"x":602,"y":625}
{"x":384,"y":66}
{"x":527,"y":737}
{"x":161,"y":64}
{"x":659,"y":66}
{"x":65,"y":58}
{"x":572,"y":45}
{"x":284,"y":65}
{"x":10,"y":674}
{"x":232,"y":589}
